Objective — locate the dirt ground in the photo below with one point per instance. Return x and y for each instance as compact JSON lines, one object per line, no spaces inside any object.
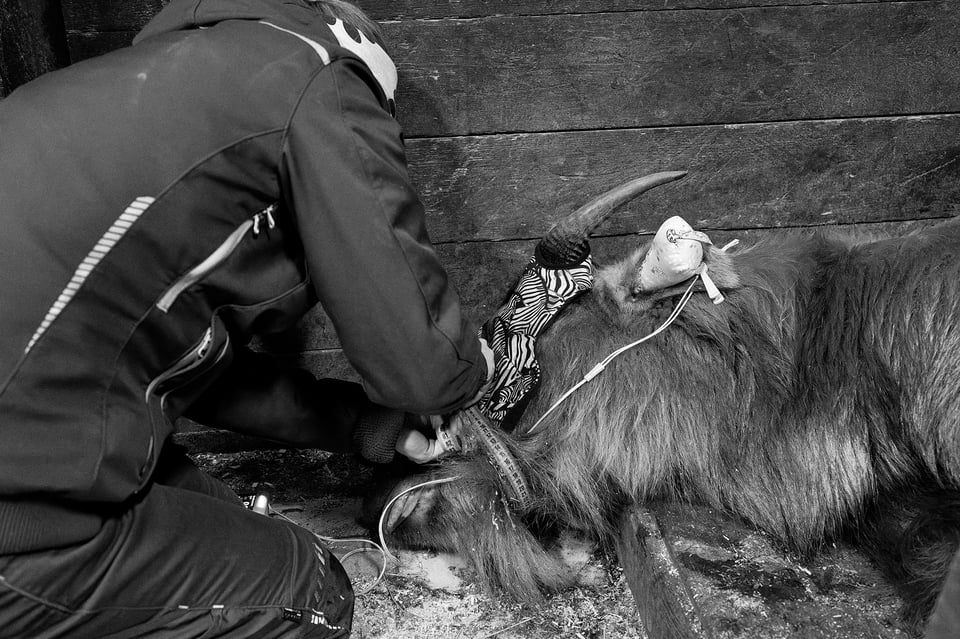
{"x":742,"y":585}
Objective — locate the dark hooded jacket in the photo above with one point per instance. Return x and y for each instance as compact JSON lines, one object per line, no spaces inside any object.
{"x":162,"y":204}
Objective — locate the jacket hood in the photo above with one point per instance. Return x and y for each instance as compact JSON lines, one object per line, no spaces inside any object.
{"x":180,"y":15}
{"x":190,"y":14}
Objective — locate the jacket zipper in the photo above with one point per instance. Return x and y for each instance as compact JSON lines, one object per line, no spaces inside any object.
{"x":186,"y":363}
{"x":197,"y":357}
{"x":218,"y":257}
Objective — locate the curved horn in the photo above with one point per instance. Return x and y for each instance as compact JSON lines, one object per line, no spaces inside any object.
{"x":565,"y":244}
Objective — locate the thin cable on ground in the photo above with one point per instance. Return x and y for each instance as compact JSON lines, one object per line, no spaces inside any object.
{"x":330,"y":541}
{"x":356,"y":551}
{"x":380,"y":548}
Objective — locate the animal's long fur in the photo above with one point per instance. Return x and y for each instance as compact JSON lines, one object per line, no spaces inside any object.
{"x":827,"y":383}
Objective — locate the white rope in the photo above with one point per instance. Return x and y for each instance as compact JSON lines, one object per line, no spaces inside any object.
{"x":380,"y":548}
{"x":596,"y":370}
{"x":376,"y":548}
{"x":386,"y":509}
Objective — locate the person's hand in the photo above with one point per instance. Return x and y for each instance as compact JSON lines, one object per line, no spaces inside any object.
{"x":419,"y":448}
{"x":416,"y":447}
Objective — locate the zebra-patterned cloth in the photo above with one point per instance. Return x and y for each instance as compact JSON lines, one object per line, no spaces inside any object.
{"x":512,"y":332}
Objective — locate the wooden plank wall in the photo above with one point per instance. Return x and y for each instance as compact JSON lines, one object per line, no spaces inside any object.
{"x":32,"y":41}
{"x":787,"y":113}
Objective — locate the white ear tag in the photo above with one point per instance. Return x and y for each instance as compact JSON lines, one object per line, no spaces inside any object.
{"x":675,"y":255}
{"x":708,"y":284}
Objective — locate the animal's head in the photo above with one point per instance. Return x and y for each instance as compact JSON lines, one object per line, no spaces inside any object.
{"x":662,"y":269}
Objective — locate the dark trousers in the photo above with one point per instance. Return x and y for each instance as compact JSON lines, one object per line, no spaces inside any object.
{"x":186,"y":561}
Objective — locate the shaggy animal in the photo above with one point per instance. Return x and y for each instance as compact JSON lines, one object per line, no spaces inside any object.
{"x":820,"y":399}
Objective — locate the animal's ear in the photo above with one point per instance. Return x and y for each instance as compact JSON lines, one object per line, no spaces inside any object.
{"x":722,"y":268}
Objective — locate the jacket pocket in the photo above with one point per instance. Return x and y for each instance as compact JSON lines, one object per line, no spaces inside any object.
{"x":212,"y":347}
{"x":205,"y":354}
{"x":217,"y":257}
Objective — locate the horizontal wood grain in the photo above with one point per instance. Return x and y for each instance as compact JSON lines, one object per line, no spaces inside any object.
{"x":677,"y":67}
{"x":755,"y":176}
{"x":131,"y":15}
{"x":89,"y":44}
{"x":654,"y":68}
{"x":32,"y":41}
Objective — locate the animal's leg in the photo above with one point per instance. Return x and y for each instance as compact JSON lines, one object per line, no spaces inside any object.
{"x":666,"y":606}
{"x":913,"y":537}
